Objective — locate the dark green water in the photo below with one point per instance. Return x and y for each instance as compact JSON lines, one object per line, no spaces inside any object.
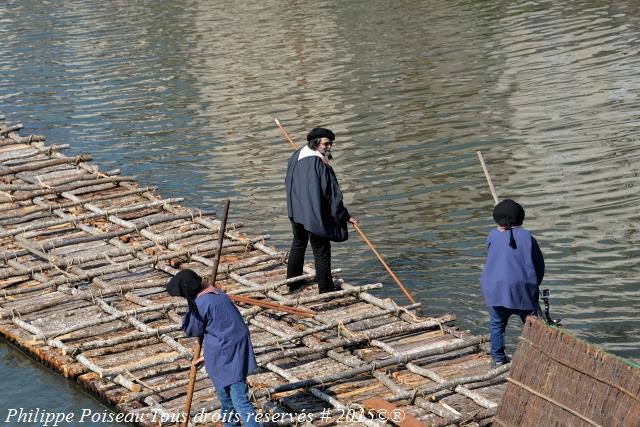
{"x":183,"y":95}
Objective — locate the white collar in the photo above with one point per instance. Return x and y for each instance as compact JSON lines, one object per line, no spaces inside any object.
{"x":307,"y":152}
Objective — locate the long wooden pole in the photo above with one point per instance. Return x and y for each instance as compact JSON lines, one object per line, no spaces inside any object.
{"x":384,"y":264}
{"x":273,"y":306}
{"x":286,"y":135}
{"x":546,"y":317}
{"x":212,"y":282}
{"x":486,"y":174}
{"x":364,"y":238}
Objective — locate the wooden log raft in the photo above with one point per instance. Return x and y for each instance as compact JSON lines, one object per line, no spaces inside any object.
{"x":86,"y":255}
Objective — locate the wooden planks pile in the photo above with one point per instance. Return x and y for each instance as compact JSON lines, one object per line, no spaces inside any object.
{"x":558,"y":380}
{"x":84,"y":259}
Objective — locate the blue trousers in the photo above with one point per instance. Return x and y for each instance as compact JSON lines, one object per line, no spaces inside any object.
{"x":235,"y":405}
{"x":499,"y":318}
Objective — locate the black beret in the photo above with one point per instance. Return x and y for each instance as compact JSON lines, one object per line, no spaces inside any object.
{"x":317,"y":133}
{"x":508,"y":211}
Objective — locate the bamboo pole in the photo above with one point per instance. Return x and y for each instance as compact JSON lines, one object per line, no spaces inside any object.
{"x":198,"y":349}
{"x":373,"y":249}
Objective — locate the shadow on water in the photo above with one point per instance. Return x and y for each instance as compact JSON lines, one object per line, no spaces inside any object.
{"x":183,"y":95}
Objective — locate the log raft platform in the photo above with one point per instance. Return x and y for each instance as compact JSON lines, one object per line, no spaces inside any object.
{"x":84,"y":259}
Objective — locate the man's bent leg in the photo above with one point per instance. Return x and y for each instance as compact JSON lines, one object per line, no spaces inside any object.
{"x":298,"y":248}
{"x":322,"y":257}
{"x":242,"y":404}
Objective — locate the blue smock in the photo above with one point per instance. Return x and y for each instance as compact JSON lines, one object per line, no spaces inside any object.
{"x":228,"y":353}
{"x":511,"y":277}
{"x":314,"y":198}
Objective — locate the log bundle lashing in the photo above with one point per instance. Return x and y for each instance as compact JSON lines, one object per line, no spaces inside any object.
{"x":84,"y":259}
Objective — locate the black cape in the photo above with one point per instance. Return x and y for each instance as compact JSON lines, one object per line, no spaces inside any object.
{"x":314,"y":198}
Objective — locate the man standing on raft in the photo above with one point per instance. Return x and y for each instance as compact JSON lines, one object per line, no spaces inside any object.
{"x":315,"y":208}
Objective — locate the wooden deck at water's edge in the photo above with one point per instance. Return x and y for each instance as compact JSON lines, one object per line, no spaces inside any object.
{"x":85,"y":255}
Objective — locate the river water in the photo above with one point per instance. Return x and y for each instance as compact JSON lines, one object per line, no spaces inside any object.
{"x":183,"y":95}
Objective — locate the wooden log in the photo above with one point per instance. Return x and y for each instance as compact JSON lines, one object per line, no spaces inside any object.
{"x":95,"y":235}
{"x":44,"y":164}
{"x":145,"y":363}
{"x":159,"y":388}
{"x":55,"y":261}
{"x":143,"y":327}
{"x":67,"y":279}
{"x":40,"y":183}
{"x":74,"y":219}
{"x":391,"y":361}
{"x":27,"y":139}
{"x":25,"y":218}
{"x":150,"y":235}
{"x":457,"y":386}
{"x":64,"y":188}
{"x":116,"y":315}
{"x":50,"y":207}
{"x":133,"y":336}
{"x":318,"y":394}
{"x":330,"y":324}
{"x":395,"y":330}
{"x":383,"y":378}
{"x":7,"y":158}
{"x":457,"y":383}
{"x":10,"y":129}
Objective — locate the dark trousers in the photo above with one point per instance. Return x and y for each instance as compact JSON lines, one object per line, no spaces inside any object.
{"x":321,"y":255}
{"x":499,"y":318}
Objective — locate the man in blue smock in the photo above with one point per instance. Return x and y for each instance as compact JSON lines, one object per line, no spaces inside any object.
{"x":512,"y":274}
{"x":315,"y":208}
{"x":228,"y":353}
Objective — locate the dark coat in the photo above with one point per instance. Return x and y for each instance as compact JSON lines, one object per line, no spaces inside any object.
{"x":228,"y":354}
{"x":314,"y":198}
{"x":511,"y":277}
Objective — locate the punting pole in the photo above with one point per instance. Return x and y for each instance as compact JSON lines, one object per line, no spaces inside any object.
{"x":364,"y":238}
{"x":286,"y":135}
{"x":545,"y":292}
{"x":212,"y":282}
{"x":486,"y":174}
